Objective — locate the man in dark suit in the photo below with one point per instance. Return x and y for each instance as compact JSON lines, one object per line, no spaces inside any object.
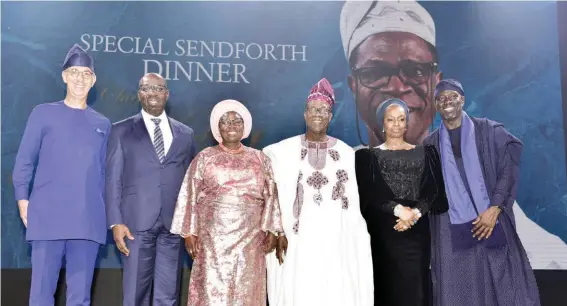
{"x":148,"y":155}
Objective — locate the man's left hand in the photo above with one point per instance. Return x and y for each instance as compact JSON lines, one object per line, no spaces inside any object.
{"x":484,"y":224}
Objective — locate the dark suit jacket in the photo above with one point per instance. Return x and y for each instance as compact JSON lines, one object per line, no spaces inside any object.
{"x":138,"y":187}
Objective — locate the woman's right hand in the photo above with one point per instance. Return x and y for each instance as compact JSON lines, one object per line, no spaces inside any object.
{"x":192,"y":246}
{"x":406,"y":214}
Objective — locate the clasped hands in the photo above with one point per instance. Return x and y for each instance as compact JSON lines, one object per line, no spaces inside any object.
{"x":407,"y":219}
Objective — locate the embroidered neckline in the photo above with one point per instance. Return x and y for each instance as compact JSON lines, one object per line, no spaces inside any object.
{"x":328,"y":143}
{"x":232,"y":151}
{"x":317,"y":152}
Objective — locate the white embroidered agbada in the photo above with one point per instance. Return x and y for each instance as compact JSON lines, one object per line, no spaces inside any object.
{"x":328,"y":261}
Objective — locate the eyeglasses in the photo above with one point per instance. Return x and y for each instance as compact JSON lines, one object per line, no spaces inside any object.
{"x":77,"y":73}
{"x":154,"y":88}
{"x":409,"y":72}
{"x":323,"y":111}
{"x":235,"y":122}
{"x":447,"y":98}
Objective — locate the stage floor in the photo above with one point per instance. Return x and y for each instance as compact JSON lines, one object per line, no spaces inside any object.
{"x":107,"y":289}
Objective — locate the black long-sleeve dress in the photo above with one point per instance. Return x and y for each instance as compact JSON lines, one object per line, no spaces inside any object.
{"x":385,"y":179}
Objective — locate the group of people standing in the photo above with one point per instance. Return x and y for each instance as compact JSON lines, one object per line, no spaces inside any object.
{"x":305,"y":221}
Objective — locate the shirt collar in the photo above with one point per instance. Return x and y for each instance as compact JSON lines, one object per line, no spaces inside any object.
{"x":148,"y":117}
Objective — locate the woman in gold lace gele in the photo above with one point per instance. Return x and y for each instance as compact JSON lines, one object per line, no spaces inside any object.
{"x":229,"y":215}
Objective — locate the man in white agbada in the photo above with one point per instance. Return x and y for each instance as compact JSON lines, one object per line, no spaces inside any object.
{"x":328,"y":260}
{"x":380,"y":35}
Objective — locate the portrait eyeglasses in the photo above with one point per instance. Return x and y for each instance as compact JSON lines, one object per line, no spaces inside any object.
{"x":409,"y":72}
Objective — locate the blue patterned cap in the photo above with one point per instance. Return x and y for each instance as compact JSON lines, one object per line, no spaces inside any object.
{"x":78,"y":57}
{"x":449,"y":84}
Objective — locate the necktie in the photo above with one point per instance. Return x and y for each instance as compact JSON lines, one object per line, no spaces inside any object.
{"x":158,"y":140}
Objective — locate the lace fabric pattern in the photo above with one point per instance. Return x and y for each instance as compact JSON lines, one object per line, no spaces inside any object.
{"x":316,"y":154}
{"x":402,"y":171}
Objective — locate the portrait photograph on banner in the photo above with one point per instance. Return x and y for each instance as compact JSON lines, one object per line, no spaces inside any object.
{"x":509,"y":57}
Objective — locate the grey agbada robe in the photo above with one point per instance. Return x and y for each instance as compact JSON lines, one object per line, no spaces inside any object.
{"x":481,"y":275}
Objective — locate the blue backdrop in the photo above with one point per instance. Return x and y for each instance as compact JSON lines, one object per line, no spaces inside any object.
{"x":506,"y":55}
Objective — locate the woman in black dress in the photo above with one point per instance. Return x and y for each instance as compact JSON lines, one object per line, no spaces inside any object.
{"x":399,"y":185}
